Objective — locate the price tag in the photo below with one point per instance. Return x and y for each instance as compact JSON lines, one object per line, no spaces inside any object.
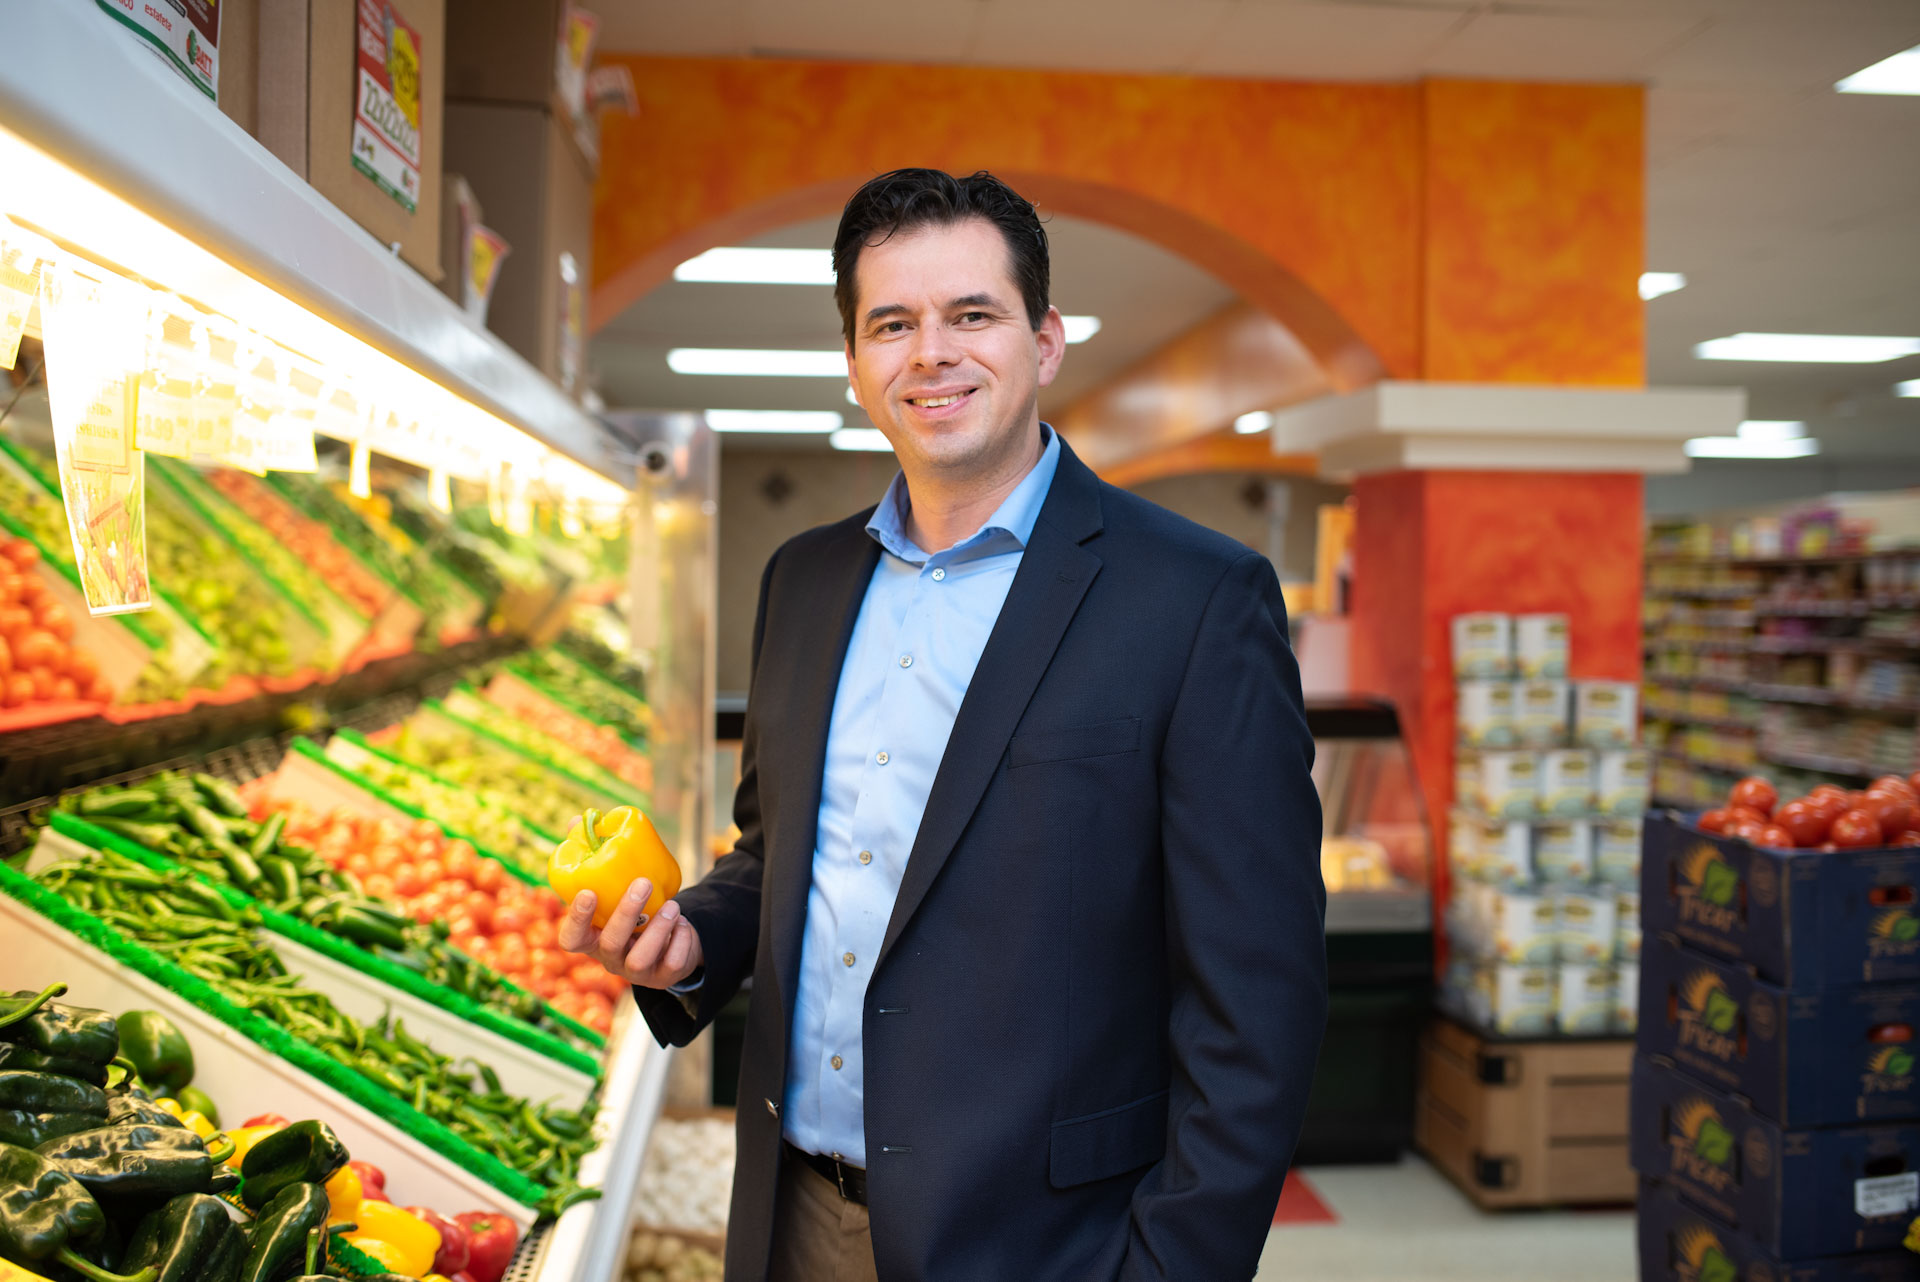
{"x":213,"y":408}
{"x":19,"y":287}
{"x":1887,"y":1195}
{"x":163,"y":416}
{"x":360,"y":471}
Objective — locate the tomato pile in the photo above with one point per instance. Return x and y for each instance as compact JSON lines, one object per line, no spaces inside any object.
{"x":492,"y":916}
{"x":38,"y":661}
{"x":1885,"y":813}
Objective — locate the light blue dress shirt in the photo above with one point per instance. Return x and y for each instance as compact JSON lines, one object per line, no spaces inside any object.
{"x":922,"y":626}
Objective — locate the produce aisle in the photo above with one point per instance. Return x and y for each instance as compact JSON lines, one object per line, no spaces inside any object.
{"x":325,"y":617}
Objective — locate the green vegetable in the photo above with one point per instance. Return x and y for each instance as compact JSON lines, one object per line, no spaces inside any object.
{"x":130,"y":1159}
{"x":305,"y":1153}
{"x":158,"y":1049}
{"x":190,"y":1238}
{"x":195,"y":1100}
{"x":45,"y":1213}
{"x":14,"y":1057}
{"x":279,"y":1244}
{"x":119,"y":803}
{"x":221,"y":795}
{"x":69,"y":1032}
{"x":37,"y":1107}
{"x":126,"y":1108}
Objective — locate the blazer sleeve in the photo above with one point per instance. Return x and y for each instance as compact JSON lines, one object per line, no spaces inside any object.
{"x":1246,"y":945}
{"x":724,"y":908}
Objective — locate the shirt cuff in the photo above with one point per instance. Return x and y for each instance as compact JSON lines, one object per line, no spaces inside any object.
{"x":688,"y":992}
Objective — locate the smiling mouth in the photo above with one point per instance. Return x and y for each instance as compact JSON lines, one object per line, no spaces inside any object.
{"x":935,"y":402}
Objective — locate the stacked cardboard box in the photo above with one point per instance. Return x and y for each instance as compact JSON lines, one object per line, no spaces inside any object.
{"x":1776,"y":1113}
{"x":1544,"y":841}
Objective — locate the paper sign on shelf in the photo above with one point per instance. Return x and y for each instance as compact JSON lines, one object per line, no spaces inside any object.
{"x":163,"y":418}
{"x":95,"y":333}
{"x":184,"y":33}
{"x":19,"y":288}
{"x":579,"y":30}
{"x":486,"y":250}
{"x":612,"y":88}
{"x":386,"y":118}
{"x":573,"y":324}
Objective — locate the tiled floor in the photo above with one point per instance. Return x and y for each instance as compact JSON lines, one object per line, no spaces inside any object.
{"x":1405,"y":1223}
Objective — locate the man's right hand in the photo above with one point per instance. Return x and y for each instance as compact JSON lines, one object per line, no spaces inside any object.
{"x":664,"y":954}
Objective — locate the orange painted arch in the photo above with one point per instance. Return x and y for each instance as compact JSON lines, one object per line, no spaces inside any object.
{"x":1444,"y":229}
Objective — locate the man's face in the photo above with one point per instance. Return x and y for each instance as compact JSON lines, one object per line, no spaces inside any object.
{"x":943,"y":358}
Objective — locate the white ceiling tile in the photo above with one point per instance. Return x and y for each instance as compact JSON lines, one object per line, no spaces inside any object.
{"x":864,"y":29}
{"x":712,"y":28}
{"x":1324,"y":41}
{"x":1808,"y":45}
{"x":1558,"y":46}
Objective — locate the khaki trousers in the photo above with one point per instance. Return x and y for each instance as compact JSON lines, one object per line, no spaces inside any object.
{"x":818,"y":1236}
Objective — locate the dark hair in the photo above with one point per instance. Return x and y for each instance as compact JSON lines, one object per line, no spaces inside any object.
{"x":908,"y":199}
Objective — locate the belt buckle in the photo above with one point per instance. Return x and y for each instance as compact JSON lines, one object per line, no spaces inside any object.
{"x":840,"y":1177}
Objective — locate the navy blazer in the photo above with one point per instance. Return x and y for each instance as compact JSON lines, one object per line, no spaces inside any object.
{"x":1094,"y":1019}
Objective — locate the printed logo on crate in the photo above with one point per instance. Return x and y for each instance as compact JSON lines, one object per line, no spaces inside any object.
{"x":1701,"y":1144}
{"x":1700,"y":1256}
{"x":1707,"y":888}
{"x":1709,"y":1015}
{"x":1889,"y":1072}
{"x":1894,"y":935}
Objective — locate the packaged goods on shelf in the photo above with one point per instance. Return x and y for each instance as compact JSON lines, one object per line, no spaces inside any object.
{"x":1509,"y":784}
{"x":1567,"y":782}
{"x":1482,"y":645}
{"x":687,"y":1180}
{"x":1584,"y":1001}
{"x":1623,"y":781}
{"x":1485,"y":711}
{"x":1507,"y":999}
{"x":1616,"y":851}
{"x":1677,"y":1243}
{"x":1606,"y":714}
{"x":1563,"y":851}
{"x":1585,"y":927}
{"x":1626,"y":995}
{"x":1540,"y":715}
{"x":1626,"y":926}
{"x":1540,"y":645}
{"x":1801,"y":1194}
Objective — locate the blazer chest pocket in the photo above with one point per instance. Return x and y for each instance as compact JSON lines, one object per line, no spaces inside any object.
{"x":1106,"y":739}
{"x":1109,"y":1143}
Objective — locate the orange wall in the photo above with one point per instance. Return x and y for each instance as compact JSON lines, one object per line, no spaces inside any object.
{"x":1447,"y":229}
{"x":1430,"y":545}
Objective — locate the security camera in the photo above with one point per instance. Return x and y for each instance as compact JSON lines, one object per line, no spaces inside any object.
{"x":656,"y":458}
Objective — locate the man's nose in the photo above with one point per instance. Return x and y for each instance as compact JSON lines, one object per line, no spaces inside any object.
{"x":935,"y":346}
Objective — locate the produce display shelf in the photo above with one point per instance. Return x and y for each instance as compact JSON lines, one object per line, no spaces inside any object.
{"x":351,"y":750}
{"x":527,"y":1056}
{"x":602,"y":790}
{"x":278,"y":1073}
{"x":523,"y":699}
{"x":474,"y":709}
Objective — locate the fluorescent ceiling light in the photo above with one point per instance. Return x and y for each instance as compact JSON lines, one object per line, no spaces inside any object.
{"x":741,"y":266}
{"x":870,"y":439}
{"x":1835,"y":349}
{"x":1257,"y":421}
{"x":1909,"y":388}
{"x":1743,"y":447}
{"x":1898,"y":74}
{"x":774,"y":420}
{"x":1772,"y":429}
{"x":1654,"y":284}
{"x":757,"y":361}
{"x":1081,"y":328}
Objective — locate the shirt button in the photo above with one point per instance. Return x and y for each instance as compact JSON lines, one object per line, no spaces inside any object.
{"x":906,"y":661}
{"x":847,"y":958}
{"x":835,"y":1061}
{"x":938,"y":575}
{"x":880,"y":757}
{"x":866,"y":856}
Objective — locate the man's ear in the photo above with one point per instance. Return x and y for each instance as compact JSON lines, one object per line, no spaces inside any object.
{"x":853,"y":384}
{"x":1051,"y":338}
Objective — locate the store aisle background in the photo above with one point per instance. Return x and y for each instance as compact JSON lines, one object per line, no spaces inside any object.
{"x":1406,"y":1223}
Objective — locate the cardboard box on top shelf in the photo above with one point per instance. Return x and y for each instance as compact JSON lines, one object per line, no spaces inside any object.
{"x":538,"y":195}
{"x":527,"y":53}
{"x":212,"y":45}
{"x":361,"y":118}
{"x":471,"y":253}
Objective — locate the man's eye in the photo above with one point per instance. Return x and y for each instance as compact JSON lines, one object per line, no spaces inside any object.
{"x":970,"y":317}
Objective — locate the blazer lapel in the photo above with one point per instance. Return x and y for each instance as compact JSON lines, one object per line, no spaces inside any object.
{"x":818,"y":649}
{"x":1055,"y":573}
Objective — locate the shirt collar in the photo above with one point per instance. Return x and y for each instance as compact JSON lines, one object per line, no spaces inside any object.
{"x":1014,"y":518}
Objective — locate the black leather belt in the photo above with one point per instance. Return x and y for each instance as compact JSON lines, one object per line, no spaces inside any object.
{"x":850,"y":1180}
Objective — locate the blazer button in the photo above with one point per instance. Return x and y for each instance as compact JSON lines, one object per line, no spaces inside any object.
{"x":773,"y":1108}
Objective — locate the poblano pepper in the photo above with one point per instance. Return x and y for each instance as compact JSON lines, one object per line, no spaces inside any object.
{"x":189,"y":1239}
{"x":279,"y":1241}
{"x":37,"y":1107}
{"x":305,"y":1153}
{"x":63,"y":1032}
{"x":45,"y":1214}
{"x":17,"y":1058}
{"x":22,"y":1004}
{"x":131,"y":1159}
{"x":157,"y":1048}
{"x":126,"y":1108}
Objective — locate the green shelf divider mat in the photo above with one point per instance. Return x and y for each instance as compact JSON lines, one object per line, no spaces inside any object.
{"x":342,"y":951}
{"x":256,"y":1028}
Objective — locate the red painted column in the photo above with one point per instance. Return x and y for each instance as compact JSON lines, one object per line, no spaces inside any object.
{"x":1430,"y":545}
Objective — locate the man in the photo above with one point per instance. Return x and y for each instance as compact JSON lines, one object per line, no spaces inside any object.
{"x":1028,"y":874}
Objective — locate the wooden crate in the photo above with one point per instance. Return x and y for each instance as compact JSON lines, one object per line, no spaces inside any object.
{"x":1525,"y":1123}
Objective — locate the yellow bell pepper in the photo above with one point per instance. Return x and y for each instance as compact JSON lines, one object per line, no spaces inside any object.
{"x":385,"y":1254}
{"x":198,"y":1123}
{"x":606,"y":854}
{"x":244,"y":1139}
{"x":344,"y":1193}
{"x":412,"y":1240}
{"x":169,"y":1105}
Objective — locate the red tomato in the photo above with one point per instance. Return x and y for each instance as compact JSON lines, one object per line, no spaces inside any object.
{"x":1745,"y":814}
{"x":424,"y":830}
{"x":19,"y":690}
{"x":53,"y":618}
{"x":387,"y":858}
{"x":540,"y":933}
{"x":379,"y":885}
{"x":100,"y":690}
{"x":460,"y":860}
{"x":1755,"y":793}
{"x":359,"y":863}
{"x":21,"y":552}
{"x":1775,"y":837}
{"x":1747,"y":830}
{"x":15,"y":622}
{"x":431,"y":871}
{"x":1713,"y":821}
{"x":510,"y":919}
{"x":1803,"y":822}
{"x":36,"y":649}
{"x":407,"y":880}
{"x":1894,"y":812}
{"x":1856,"y":830}
{"x":1908,"y":838}
{"x":1895,"y":783}
{"x":42,"y":683}
{"x":489,"y":876}
{"x":455,"y":888}
{"x":83,"y":668}
{"x":478,"y":905}
{"x":65,"y":689}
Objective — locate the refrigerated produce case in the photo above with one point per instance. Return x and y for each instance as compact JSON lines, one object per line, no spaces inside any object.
{"x":1374,"y":857}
